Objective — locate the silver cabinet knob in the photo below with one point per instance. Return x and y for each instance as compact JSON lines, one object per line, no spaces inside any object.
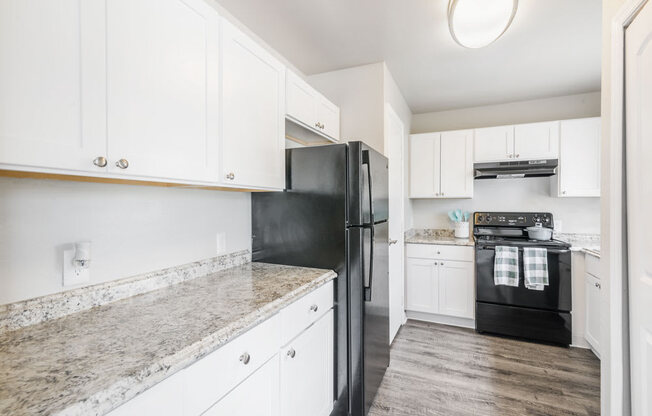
{"x":597,"y":285}
{"x":392,"y":242}
{"x":510,"y":156}
{"x":441,"y":264}
{"x":230,"y":176}
{"x":439,"y":252}
{"x":563,"y":192}
{"x":518,"y":155}
{"x":436,"y":263}
{"x":442,"y":194}
{"x":291,"y":353}
{"x":245,"y":358}
{"x":314,"y":308}
{"x":100,"y":161}
{"x":122,"y":163}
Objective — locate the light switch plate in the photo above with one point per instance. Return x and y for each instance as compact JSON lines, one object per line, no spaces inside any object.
{"x":73,"y":276}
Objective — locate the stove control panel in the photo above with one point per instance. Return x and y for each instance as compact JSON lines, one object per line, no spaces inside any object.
{"x":512,"y":219}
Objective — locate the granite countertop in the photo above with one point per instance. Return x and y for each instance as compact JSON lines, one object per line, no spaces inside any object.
{"x":436,"y":236}
{"x":586,"y":243}
{"x":90,"y":362}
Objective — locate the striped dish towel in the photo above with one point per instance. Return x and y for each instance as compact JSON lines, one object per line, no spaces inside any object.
{"x":535,"y":267}
{"x":506,"y":266}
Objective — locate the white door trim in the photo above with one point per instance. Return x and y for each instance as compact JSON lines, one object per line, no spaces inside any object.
{"x":616,"y":354}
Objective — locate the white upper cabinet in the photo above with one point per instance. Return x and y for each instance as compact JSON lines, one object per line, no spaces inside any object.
{"x":441,"y":165}
{"x":424,"y":165}
{"x":52,"y":84}
{"x":579,"y":159}
{"x":311,"y":109}
{"x":536,"y":141}
{"x":494,"y":144}
{"x":253,"y":109}
{"x":163,"y":88}
{"x":456,"y":176}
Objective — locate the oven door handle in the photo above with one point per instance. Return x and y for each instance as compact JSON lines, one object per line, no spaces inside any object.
{"x":520,"y":249}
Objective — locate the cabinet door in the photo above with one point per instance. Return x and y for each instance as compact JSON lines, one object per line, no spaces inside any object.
{"x":256,"y":396}
{"x":422,"y":286}
{"x":592,"y":311}
{"x":253,"y":113}
{"x":579,"y":158}
{"x":494,"y":144}
{"x":163,"y":399}
{"x":307,"y":371}
{"x":52,"y":84}
{"x":536,"y":141}
{"x":300,"y":102}
{"x":424,"y":165}
{"x":456,"y":289}
{"x":328,"y":117}
{"x":162,"y":69}
{"x":456,"y":164}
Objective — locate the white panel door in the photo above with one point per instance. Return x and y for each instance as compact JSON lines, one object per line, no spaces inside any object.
{"x":422,"y":285}
{"x":163,"y":88}
{"x":253,"y":113}
{"x":456,"y":289}
{"x":638,"y":87}
{"x":307,"y":371}
{"x":494,"y":144}
{"x":256,"y":396}
{"x":52,"y":84}
{"x":592,"y":293}
{"x":394,"y":144}
{"x":456,"y":164}
{"x":328,"y":117}
{"x":579,"y":157}
{"x":300,"y":102}
{"x":424,"y":165}
{"x":536,"y":141}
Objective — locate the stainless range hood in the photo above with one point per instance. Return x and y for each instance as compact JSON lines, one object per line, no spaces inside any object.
{"x":520,"y":169}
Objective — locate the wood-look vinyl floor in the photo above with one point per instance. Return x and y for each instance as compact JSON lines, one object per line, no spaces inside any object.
{"x":442,"y":370}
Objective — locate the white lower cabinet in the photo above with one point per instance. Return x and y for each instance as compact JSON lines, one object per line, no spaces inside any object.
{"x":307,"y":371}
{"x":593,"y":296}
{"x":255,"y":374}
{"x":256,"y":396}
{"x":437,"y":285}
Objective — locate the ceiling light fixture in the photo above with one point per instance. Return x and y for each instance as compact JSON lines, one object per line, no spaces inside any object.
{"x":478,"y":23}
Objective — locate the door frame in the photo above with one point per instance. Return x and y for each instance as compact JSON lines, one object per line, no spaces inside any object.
{"x":615,"y":382}
{"x":390,"y":112}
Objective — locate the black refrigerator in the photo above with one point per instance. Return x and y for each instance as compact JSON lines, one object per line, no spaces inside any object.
{"x":333,"y":215}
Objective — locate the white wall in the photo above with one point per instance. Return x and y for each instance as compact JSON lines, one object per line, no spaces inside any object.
{"x":358,"y":92}
{"x":556,"y":108}
{"x":133,"y":229}
{"x":578,"y":215}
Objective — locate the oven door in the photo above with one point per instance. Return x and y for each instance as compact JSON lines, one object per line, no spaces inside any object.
{"x":555,"y":297}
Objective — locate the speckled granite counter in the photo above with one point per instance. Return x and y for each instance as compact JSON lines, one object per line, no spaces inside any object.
{"x":90,"y":362}
{"x":586,"y":243}
{"x":436,"y":236}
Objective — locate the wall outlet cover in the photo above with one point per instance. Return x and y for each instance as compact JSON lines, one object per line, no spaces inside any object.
{"x":72,"y":275}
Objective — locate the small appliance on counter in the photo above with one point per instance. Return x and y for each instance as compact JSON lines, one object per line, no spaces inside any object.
{"x":537,"y":315}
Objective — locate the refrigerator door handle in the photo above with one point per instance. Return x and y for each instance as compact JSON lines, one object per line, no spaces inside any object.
{"x":367,"y":288}
{"x":365,"y":161}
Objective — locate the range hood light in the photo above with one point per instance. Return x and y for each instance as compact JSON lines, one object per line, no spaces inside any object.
{"x":478,"y":23}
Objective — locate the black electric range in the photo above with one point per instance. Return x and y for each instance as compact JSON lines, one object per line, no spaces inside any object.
{"x":543,"y":316}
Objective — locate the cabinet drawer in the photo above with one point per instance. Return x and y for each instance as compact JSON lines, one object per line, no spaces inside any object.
{"x":213,"y":376}
{"x":592,"y":265}
{"x":443,"y":252}
{"x":302,"y":313}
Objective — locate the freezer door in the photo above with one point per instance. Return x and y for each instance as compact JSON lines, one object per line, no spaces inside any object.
{"x":369,"y":313}
{"x":368,"y":185}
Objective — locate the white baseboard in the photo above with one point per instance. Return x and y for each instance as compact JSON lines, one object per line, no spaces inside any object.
{"x":441,"y":319}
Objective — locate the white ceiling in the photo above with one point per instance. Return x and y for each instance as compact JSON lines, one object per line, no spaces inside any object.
{"x":552,"y":48}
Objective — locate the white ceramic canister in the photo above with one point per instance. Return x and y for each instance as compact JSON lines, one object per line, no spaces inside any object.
{"x":462,"y":229}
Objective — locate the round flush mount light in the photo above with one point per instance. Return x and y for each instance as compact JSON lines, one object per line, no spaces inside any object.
{"x":478,"y":23}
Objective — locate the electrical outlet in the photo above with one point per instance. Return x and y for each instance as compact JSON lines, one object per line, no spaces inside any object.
{"x":72,"y":274}
{"x":221,"y":243}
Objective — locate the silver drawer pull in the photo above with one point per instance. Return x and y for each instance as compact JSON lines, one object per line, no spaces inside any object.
{"x":291,"y":353}
{"x":100,"y":161}
{"x":314,"y":308}
{"x":245,"y":358}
